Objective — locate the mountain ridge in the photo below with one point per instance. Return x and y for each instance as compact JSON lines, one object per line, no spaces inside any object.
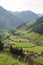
{"x":26,"y":15}
{"x":9,"y":20}
{"x":6,"y":17}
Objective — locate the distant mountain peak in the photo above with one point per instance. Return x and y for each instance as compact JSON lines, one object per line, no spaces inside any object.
{"x":26,"y":15}
{"x":15,"y":19}
{"x":1,"y":7}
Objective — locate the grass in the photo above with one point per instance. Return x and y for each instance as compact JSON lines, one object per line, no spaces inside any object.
{"x":24,"y":44}
{"x":8,"y":60}
{"x":40,"y":39}
{"x":36,"y":37}
{"x":37,"y":49}
{"x":24,"y":30}
{"x":39,"y":59}
{"x":27,"y":45}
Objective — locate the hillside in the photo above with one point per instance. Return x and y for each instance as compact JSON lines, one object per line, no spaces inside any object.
{"x":7,"y":59}
{"x":38,"y":26}
{"x":32,"y":30}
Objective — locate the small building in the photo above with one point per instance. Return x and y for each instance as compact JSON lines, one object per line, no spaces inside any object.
{"x":6,"y":45}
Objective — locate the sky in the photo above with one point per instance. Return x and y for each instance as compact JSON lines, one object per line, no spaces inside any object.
{"x":23,"y":5}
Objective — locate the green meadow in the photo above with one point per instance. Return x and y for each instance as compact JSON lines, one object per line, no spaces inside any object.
{"x":6,"y":59}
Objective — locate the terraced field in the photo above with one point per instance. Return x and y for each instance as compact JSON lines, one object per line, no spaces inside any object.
{"x":24,"y":43}
{"x":39,"y":59}
{"x":16,"y":41}
{"x":8,"y":60}
{"x":37,"y":49}
{"x":26,"y":30}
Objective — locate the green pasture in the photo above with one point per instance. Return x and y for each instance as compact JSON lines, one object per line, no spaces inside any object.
{"x":24,"y":44}
{"x":39,"y":59}
{"x":8,"y":60}
{"x":37,"y":49}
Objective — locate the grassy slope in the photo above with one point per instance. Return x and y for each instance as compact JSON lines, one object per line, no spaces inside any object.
{"x":25,"y":44}
{"x":39,"y":59}
{"x":37,"y":49}
{"x":38,"y":38}
{"x":8,"y":60}
{"x":25,"y":30}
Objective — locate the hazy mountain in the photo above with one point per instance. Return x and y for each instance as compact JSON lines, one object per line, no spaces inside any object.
{"x":11,"y":20}
{"x":7,"y":20}
{"x":26,"y":16}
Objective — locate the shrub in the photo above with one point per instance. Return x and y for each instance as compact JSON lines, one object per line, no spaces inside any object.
{"x":1,"y":45}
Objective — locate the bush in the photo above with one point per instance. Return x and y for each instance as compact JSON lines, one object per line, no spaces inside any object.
{"x":1,"y":45}
{"x":17,"y":51}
